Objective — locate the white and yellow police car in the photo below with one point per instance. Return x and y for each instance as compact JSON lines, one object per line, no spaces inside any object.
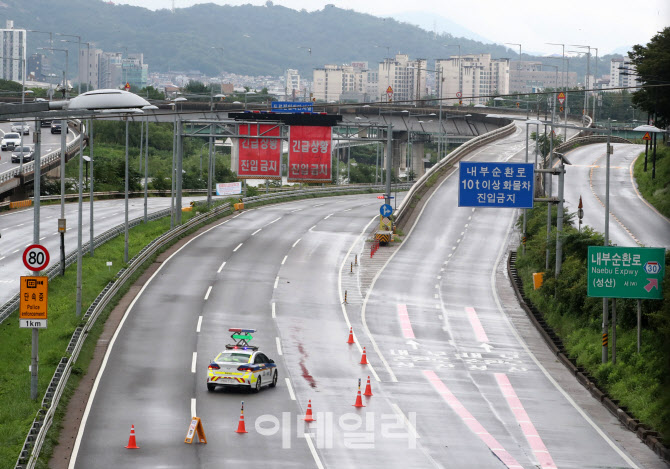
{"x":241,"y":365}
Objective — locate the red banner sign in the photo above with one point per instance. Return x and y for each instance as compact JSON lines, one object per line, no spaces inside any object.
{"x":309,"y":157}
{"x":259,"y":158}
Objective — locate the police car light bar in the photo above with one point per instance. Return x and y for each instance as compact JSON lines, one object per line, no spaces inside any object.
{"x":237,"y":329}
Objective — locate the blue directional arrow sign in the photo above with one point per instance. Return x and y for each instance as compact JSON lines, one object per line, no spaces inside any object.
{"x":385,"y":210}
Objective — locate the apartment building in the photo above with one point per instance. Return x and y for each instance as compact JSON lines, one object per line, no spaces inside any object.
{"x":349,"y":82}
{"x":135,"y":71}
{"x":12,"y":52}
{"x":533,"y":76}
{"x":623,"y":74}
{"x":291,"y":83}
{"x":405,"y":77}
{"x":109,"y":70}
{"x":89,"y":67}
{"x":476,"y":77}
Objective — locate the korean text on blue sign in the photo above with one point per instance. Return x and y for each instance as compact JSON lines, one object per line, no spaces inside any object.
{"x":291,"y":106}
{"x":495,"y":185}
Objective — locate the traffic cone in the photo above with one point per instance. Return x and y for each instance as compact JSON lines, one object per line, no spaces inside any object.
{"x":351,"y":336}
{"x":308,"y":414}
{"x":368,"y":389}
{"x":359,"y":401}
{"x":364,"y":358}
{"x":132,"y":444}
{"x":240,"y":426}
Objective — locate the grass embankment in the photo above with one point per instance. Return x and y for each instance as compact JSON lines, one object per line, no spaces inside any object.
{"x":656,"y":191}
{"x":638,"y":381}
{"x":17,"y":410}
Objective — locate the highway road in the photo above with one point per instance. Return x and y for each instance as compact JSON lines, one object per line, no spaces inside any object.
{"x":50,"y":142}
{"x":16,"y":228}
{"x":632,"y":220}
{"x":454,"y":383}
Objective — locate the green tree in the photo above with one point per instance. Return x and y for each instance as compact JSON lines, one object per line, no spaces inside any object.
{"x":652,"y":64}
{"x":544,"y":142}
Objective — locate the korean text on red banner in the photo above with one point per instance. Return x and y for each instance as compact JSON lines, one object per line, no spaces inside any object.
{"x":260,"y":158}
{"x":309,"y":154}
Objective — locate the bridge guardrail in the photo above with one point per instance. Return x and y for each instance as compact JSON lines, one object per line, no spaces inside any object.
{"x":455,"y":155}
{"x":44,"y":160}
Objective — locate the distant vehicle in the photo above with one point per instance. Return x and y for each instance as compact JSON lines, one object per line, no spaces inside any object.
{"x":45,"y":123}
{"x":241,"y":365}
{"x":27,"y":152}
{"x":10,"y":140}
{"x":56,"y":127}
{"x":20,"y":127}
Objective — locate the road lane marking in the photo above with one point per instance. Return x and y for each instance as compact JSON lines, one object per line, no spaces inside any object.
{"x":527,"y":427}
{"x":274,"y":313}
{"x":284,"y":260}
{"x":259,"y":229}
{"x":346,"y":210}
{"x":290,"y":389}
{"x":312,"y":449}
{"x":197,"y":328}
{"x":512,"y":328}
{"x":110,"y":347}
{"x":476,"y":325}
{"x":193,"y":412}
{"x":43,"y":237}
{"x":405,"y":324}
{"x":238,"y":246}
{"x":221,"y":268}
{"x":296,"y":210}
{"x":15,"y":251}
{"x":276,"y":281}
{"x":278,"y":346}
{"x":408,"y":424}
{"x":1,"y":258}
{"x":207,"y":294}
{"x":328,"y":216}
{"x":312,"y":228}
{"x":294,"y":244}
{"x":194,"y":361}
{"x":276,"y":219}
{"x":472,"y":423}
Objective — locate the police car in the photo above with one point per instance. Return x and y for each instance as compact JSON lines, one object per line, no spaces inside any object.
{"x":241,"y":365}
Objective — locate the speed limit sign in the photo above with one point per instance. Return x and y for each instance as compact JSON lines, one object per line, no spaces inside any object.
{"x":36,"y":257}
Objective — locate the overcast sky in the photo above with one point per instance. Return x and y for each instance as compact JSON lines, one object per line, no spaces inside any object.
{"x":605,"y":24}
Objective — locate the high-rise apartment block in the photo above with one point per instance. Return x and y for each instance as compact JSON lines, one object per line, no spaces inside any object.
{"x":532,"y":76}
{"x":12,"y":53}
{"x":476,"y":77}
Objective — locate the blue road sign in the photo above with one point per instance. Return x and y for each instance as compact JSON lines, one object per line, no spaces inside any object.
{"x":495,"y":185}
{"x":291,"y":106}
{"x":385,"y":210}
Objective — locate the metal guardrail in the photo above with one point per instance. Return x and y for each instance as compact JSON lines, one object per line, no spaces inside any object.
{"x":37,"y":434}
{"x":455,"y":155}
{"x":44,"y":160}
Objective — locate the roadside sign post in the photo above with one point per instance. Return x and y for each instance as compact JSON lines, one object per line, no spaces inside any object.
{"x":624,"y":272}
{"x":33,"y":304}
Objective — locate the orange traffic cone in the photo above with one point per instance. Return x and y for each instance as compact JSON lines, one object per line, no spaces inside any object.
{"x":240,"y":426}
{"x":132,"y":444}
{"x":308,"y":414}
{"x":368,"y":389}
{"x":364,"y":358}
{"x":351,"y":336}
{"x":359,"y":401}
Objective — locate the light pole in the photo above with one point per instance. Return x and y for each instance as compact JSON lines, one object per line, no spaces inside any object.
{"x":78,"y":54}
{"x":245,"y":98}
{"x":563,"y":77}
{"x":151,"y":107}
{"x":437,"y":71}
{"x":588,"y":75}
{"x":62,"y":224}
{"x":537,"y":124}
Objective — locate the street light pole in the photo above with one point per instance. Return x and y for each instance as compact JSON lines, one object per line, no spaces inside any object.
{"x":125,"y":226}
{"x":90,"y":187}
{"x":588,"y":74}
{"x":78,"y":54}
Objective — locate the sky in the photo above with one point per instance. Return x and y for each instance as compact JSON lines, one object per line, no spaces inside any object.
{"x":604,"y":24}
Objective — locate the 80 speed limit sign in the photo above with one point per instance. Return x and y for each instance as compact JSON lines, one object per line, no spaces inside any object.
{"x":36,"y":257}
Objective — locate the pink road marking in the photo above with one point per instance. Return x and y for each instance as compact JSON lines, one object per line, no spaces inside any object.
{"x":470,"y":421}
{"x":405,"y":325}
{"x":476,"y":325}
{"x":527,"y":427}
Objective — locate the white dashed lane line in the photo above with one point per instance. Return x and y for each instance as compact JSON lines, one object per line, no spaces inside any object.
{"x":221,"y":268}
{"x":278,"y":346}
{"x":238,"y":246}
{"x":208,"y":291}
{"x":290,"y":389}
{"x":284,"y":260}
{"x":197,"y":328}
{"x":274,"y":313}
{"x":193,"y":413}
{"x":259,"y":229}
{"x":194,"y":361}
{"x":276,"y":281}
{"x":294,"y":244}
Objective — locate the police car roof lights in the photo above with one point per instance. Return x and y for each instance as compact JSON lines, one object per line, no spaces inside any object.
{"x":242,"y":336}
